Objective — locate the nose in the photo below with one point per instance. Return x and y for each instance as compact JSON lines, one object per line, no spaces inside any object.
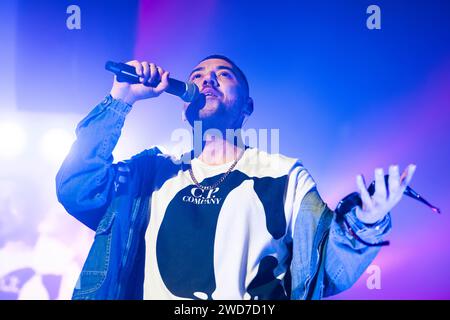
{"x":210,"y":79}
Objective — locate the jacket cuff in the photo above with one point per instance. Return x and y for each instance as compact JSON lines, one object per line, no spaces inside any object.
{"x":116,"y":105}
{"x":373,"y":233}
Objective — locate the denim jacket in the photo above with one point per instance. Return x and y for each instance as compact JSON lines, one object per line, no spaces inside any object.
{"x":113,"y":198}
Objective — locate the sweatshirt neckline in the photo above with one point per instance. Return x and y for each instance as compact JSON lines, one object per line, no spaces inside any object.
{"x":226,"y":165}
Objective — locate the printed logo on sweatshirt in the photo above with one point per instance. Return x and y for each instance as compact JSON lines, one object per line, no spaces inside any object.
{"x":199,"y":196}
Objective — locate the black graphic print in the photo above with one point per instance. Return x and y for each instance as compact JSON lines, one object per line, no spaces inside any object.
{"x":185,"y":242}
{"x":265,"y":286}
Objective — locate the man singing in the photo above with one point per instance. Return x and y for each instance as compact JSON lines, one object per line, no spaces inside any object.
{"x":223,"y":222}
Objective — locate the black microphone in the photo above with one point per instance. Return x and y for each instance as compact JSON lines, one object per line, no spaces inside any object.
{"x":125,"y":73}
{"x":410,"y":192}
{"x":354,"y":199}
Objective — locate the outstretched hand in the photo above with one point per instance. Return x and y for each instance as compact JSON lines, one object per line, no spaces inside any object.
{"x":377,"y":206}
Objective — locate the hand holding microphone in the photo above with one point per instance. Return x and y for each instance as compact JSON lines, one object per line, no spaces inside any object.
{"x":144,"y":73}
{"x":379,"y":198}
{"x":142,"y":80}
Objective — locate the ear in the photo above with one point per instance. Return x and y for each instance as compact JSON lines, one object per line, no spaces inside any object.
{"x":248,"y":109}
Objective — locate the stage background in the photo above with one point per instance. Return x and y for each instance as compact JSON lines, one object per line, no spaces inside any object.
{"x":346,"y":100}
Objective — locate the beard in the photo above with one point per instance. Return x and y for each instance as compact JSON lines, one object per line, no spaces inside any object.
{"x":211,"y":112}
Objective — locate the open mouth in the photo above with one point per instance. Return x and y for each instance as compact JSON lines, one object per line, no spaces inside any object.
{"x":210,"y":93}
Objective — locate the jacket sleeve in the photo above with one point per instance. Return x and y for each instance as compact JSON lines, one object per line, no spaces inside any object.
{"x":327,"y":259}
{"x":85,"y":180}
{"x":344,"y":257}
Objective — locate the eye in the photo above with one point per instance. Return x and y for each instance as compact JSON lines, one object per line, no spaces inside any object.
{"x":225,"y":74}
{"x":195,"y":76}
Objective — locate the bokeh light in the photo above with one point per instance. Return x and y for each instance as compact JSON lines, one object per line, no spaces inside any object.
{"x":13,"y":139}
{"x":55,"y":144}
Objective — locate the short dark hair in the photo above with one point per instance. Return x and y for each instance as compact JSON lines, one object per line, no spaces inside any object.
{"x":235,"y":67}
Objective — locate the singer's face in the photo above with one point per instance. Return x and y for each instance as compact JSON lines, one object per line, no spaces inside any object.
{"x":223,"y":91}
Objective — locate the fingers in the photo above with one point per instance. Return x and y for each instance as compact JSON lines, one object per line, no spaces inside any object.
{"x":137,"y":65}
{"x":365,"y":197}
{"x":147,"y":72}
{"x":397,"y":183}
{"x":154,"y":76}
{"x":164,"y":84}
{"x":396,"y":187}
{"x":394,"y":179}
{"x":160,"y":72}
{"x":380,"y":194}
{"x":408,"y":173}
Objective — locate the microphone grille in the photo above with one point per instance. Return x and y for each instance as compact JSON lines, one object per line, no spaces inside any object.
{"x":191,"y":93}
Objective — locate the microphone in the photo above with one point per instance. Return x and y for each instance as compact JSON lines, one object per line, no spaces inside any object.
{"x":125,"y":73}
{"x":410,"y":192}
{"x":354,"y":199}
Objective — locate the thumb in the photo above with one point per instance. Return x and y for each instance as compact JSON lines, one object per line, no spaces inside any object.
{"x":163,"y":84}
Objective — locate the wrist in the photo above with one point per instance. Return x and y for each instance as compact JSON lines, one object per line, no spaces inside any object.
{"x":125,"y":97}
{"x":368,"y":218}
{"x":368,"y":234}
